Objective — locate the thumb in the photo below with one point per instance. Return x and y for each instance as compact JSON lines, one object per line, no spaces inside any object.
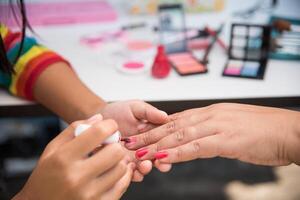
{"x":68,"y":134}
{"x":144,"y":111}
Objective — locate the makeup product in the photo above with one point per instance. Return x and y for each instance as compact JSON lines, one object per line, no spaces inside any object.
{"x":133,"y":66}
{"x":134,"y":26}
{"x":190,"y":33}
{"x":47,"y":13}
{"x":213,"y":41}
{"x":248,"y":51}
{"x":284,"y":25}
{"x":96,"y":39}
{"x":136,"y":57}
{"x":285,"y":42}
{"x":114,"y":138}
{"x":161,"y":66}
{"x":171,"y":24}
{"x":213,"y":33}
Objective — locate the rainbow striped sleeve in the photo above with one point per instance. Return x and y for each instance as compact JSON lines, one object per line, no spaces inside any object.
{"x":33,"y":60}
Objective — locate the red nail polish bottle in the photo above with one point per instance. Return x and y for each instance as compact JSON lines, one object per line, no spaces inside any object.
{"x":161,"y":66}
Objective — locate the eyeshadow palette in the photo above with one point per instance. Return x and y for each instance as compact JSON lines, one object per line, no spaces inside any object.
{"x":248,"y":51}
{"x":186,"y":64}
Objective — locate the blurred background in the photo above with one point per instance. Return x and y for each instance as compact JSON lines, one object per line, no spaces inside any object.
{"x":114,"y":32}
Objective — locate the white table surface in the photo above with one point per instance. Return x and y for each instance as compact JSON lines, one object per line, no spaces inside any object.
{"x":94,"y":67}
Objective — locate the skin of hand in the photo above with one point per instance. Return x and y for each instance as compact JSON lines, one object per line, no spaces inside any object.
{"x":65,"y":171}
{"x":253,"y":134}
{"x":69,"y":104}
{"x":135,"y":117}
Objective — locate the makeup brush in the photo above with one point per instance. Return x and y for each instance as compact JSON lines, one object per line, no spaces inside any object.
{"x":213,"y":33}
{"x":213,"y":41}
{"x":284,"y":25}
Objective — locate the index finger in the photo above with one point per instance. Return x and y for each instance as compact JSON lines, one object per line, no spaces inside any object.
{"x":156,"y":134}
{"x":207,"y":147}
{"x":152,"y":136}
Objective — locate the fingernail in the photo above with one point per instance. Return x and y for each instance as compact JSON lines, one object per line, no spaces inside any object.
{"x":94,"y":118}
{"x":126,"y":140}
{"x":164,"y":113}
{"x":141,"y":152}
{"x":161,"y":155}
{"x":129,"y":141}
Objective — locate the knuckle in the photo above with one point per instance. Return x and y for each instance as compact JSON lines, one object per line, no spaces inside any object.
{"x":146,"y":138}
{"x":184,"y":134}
{"x":196,"y":147}
{"x":171,"y":126}
{"x":180,"y":135}
{"x":179,"y":153}
{"x":174,"y":117}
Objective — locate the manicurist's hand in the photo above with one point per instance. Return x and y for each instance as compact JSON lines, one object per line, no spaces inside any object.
{"x":65,"y":171}
{"x":258,"y":135}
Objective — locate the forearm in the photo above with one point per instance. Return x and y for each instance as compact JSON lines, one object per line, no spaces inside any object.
{"x":61,"y":91}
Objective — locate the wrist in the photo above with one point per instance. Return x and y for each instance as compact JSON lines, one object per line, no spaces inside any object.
{"x":294,"y":143}
{"x":91,"y":109}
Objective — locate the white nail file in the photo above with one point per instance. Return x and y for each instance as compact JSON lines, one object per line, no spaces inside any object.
{"x":114,"y":138}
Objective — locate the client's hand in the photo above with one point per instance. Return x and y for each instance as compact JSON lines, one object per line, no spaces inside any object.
{"x":259,"y":135}
{"x":65,"y":171}
{"x":135,"y":117}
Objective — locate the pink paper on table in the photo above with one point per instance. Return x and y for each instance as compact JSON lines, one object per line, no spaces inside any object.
{"x":70,"y":12}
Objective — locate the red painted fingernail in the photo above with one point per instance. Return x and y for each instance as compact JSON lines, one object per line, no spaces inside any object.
{"x":130,"y":141}
{"x":126,"y":140}
{"x":141,"y":152}
{"x":161,"y":155}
